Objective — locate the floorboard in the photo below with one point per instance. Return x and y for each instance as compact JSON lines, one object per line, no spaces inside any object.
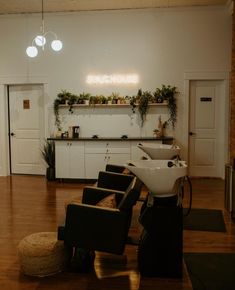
{"x":30,"y":204}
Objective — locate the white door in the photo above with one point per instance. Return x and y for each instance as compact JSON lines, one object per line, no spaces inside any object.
{"x":26,"y":128}
{"x":207,"y":119}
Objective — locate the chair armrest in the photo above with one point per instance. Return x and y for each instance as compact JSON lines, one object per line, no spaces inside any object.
{"x":113,"y":180}
{"x":115,"y":168}
{"x":96,"y":228}
{"x":92,"y":195}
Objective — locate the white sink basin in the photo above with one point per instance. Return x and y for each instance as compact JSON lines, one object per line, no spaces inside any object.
{"x":157,"y":176}
{"x":159,"y":151}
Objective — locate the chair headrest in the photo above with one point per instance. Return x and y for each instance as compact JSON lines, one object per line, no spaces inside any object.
{"x":131,"y":195}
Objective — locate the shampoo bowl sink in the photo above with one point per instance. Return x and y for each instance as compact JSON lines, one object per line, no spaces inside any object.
{"x":159,"y":178}
{"x":159,"y":151}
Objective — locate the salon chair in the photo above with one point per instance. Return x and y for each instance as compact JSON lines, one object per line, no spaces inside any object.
{"x":99,"y":228}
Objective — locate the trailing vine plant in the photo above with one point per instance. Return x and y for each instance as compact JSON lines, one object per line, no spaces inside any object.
{"x":72,"y":99}
{"x":168,"y":94}
{"x":144,"y":98}
{"x":133,"y":104}
{"x":56,"y":113}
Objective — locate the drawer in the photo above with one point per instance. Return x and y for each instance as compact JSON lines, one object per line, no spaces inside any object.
{"x":107,"y":147}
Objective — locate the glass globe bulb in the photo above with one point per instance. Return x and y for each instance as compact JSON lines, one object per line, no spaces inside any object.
{"x":32,"y":51}
{"x":56,"y":45}
{"x":40,"y":40}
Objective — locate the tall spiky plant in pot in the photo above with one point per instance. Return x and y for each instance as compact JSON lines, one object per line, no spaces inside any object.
{"x":48,"y":154}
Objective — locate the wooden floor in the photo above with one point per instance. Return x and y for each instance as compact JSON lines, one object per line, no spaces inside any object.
{"x":30,"y":204}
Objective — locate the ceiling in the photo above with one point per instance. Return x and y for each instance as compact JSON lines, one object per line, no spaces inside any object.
{"x":34,"y":6}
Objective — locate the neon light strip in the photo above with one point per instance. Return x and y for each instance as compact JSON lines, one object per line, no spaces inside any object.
{"x":113,"y":79}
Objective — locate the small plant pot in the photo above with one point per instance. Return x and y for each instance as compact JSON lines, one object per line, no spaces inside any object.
{"x":160,"y":100}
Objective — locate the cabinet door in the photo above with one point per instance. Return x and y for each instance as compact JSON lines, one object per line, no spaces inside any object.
{"x":76,"y":160}
{"x":94,"y":163}
{"x":69,"y":159}
{"x":118,"y":159}
{"x":62,"y":149}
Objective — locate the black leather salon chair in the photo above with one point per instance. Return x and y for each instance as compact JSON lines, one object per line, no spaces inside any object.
{"x":100,"y":228}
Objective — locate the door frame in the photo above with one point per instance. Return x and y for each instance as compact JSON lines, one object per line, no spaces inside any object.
{"x":4,"y":125}
{"x":206,"y":76}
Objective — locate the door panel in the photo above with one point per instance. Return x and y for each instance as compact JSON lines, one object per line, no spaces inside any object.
{"x":205,"y":108}
{"x":204,"y":152}
{"x":26,"y":128}
{"x":205,"y":128}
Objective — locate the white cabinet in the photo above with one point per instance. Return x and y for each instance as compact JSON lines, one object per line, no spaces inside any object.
{"x":69,"y":156}
{"x":98,"y":154}
{"x":84,"y":159}
{"x":137,"y":153}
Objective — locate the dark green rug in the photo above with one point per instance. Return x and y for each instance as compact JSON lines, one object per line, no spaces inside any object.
{"x":211,"y":271}
{"x":211,"y":220}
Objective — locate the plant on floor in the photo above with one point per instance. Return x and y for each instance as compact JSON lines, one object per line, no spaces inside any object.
{"x":48,"y":154}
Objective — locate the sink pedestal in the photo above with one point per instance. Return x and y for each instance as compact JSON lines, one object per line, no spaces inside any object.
{"x":161,"y":244}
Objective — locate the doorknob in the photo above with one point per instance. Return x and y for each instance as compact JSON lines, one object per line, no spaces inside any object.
{"x":192,"y":134}
{"x":12,"y":134}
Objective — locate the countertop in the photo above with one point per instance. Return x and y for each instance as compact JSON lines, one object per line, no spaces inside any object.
{"x":164,"y":139}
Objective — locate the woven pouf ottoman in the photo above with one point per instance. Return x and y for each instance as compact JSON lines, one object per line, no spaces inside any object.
{"x":41,"y":254}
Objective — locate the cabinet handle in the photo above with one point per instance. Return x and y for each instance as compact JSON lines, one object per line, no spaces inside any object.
{"x":108,"y":157}
{"x":107,"y":144}
{"x":107,"y":150}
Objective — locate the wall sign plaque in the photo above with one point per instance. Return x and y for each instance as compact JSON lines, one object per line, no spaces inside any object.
{"x":26,"y":104}
{"x":206,"y":99}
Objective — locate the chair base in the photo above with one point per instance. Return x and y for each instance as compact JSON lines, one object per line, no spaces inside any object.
{"x":82,"y":261}
{"x":160,"y":252}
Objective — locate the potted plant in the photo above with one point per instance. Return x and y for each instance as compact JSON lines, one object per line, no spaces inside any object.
{"x":109,"y":100}
{"x":157,"y":96}
{"x":85,"y":98}
{"x":48,"y":154}
{"x":63,"y":96}
{"x":115,"y":97}
{"x":127,"y":99}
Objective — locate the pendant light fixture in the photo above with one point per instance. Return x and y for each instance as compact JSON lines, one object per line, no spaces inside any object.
{"x":40,"y":40}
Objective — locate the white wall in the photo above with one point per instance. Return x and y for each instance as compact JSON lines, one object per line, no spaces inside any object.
{"x":158,"y":44}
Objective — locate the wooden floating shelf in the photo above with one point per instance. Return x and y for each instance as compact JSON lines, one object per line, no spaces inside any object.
{"x":109,"y":105}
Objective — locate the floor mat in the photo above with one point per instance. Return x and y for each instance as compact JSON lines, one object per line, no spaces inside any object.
{"x":211,"y":271}
{"x":211,"y":220}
